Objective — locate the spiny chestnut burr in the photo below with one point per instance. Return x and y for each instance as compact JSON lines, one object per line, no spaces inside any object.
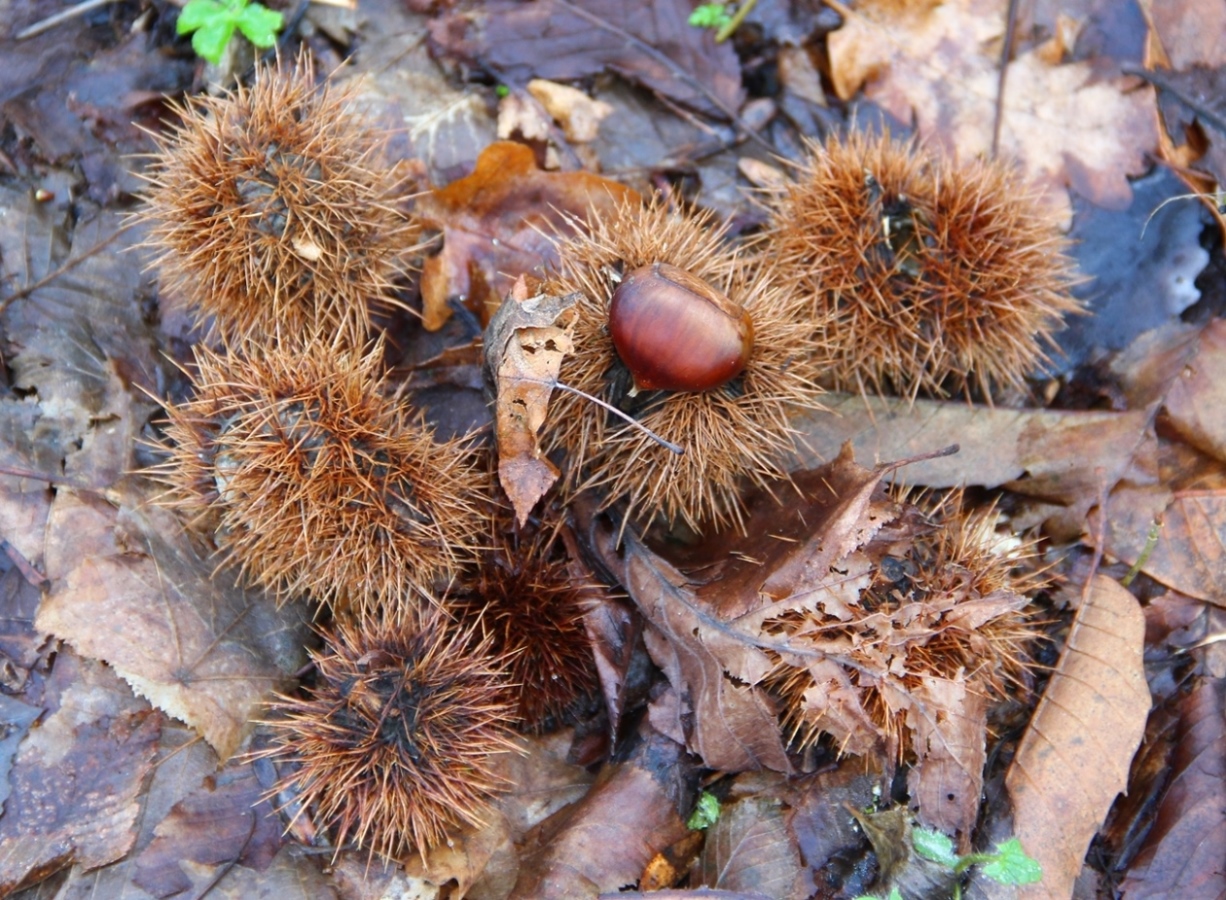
{"x":316,"y":483}
{"x":675,"y":332}
{"x":532,"y":598}
{"x":923,"y":276}
{"x":396,"y":742}
{"x":722,"y":360}
{"x":272,"y":212}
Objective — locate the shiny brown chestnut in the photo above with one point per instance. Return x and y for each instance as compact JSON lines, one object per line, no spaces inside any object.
{"x":675,"y":332}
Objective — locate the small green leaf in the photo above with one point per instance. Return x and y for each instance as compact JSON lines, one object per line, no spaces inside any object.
{"x":210,"y":39}
{"x":260,"y":24}
{"x":1012,"y":866}
{"x":934,"y":846}
{"x":197,"y":14}
{"x":709,"y":15}
{"x":502,"y":90}
{"x":706,"y":812}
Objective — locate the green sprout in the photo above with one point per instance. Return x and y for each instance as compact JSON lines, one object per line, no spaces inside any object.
{"x":211,"y":25}
{"x":706,"y":812}
{"x":717,"y":16}
{"x":1008,"y":865}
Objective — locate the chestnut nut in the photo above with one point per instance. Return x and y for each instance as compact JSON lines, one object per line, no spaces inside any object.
{"x":675,"y":332}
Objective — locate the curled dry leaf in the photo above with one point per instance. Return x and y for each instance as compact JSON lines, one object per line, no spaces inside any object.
{"x":1074,"y":757}
{"x":495,"y":224}
{"x":524,"y":347}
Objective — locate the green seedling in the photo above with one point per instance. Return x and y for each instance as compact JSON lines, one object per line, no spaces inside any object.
{"x":723,"y":17}
{"x":706,"y":812}
{"x":211,"y":25}
{"x":1008,"y":865}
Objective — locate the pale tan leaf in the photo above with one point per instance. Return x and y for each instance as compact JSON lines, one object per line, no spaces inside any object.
{"x":1075,"y":756}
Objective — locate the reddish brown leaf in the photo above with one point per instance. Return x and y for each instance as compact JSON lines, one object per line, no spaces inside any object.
{"x":1075,"y":755}
{"x":77,"y":779}
{"x":1182,"y":856}
{"x":603,"y":842}
{"x":652,"y":44}
{"x":495,"y":225}
{"x":128,"y":587}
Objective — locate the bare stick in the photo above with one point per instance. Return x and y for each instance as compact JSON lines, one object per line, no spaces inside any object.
{"x":669,"y":445}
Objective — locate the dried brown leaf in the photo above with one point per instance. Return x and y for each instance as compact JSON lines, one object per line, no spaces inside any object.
{"x":1182,"y":856}
{"x":495,"y":225}
{"x":937,"y":64}
{"x":77,"y":780}
{"x":525,"y":344}
{"x":1067,"y":458}
{"x":1190,"y":553}
{"x":128,"y":587}
{"x":1075,"y":756}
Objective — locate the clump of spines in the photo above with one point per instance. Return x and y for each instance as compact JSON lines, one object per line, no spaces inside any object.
{"x":532,"y":598}
{"x":947,"y":603}
{"x":736,"y":432}
{"x":923,"y":277}
{"x":396,"y":742}
{"x":272,"y":211}
{"x":317,"y":483}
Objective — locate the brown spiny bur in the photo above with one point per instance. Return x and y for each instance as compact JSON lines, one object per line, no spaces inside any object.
{"x":675,"y":332}
{"x":944,"y":604}
{"x":750,"y":368}
{"x":531,"y":598}
{"x":924,"y":276}
{"x":272,"y":212}
{"x":317,"y":483}
{"x":395,"y":744}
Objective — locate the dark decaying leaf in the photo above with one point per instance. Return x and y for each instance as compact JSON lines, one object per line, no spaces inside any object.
{"x":1074,"y":757}
{"x":129,"y":587}
{"x":652,"y":44}
{"x":1182,"y":856}
{"x":224,"y":823}
{"x":602,"y":842}
{"x":750,"y":849}
{"x":77,"y":780}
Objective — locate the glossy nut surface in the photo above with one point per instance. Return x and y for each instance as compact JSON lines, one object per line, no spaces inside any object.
{"x":675,"y":332}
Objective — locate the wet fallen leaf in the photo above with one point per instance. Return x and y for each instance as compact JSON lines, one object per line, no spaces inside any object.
{"x":1182,"y":854}
{"x":937,"y":64}
{"x":603,"y":842}
{"x":495,"y":224}
{"x":1194,"y":402}
{"x":1074,"y":758}
{"x":653,"y":45}
{"x":749,"y":849}
{"x":77,"y":780}
{"x":525,"y":344}
{"x":128,"y":587}
{"x":17,"y":717}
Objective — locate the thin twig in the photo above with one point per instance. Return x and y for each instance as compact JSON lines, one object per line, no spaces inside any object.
{"x":67,"y":266}
{"x":62,"y":16}
{"x":1005,"y":52}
